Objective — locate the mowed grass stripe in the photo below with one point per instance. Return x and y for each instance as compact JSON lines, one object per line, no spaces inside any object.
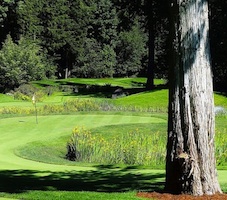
{"x":21,"y":130}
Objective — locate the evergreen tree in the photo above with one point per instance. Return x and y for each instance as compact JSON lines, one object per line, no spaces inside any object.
{"x":98,"y":58}
{"x":130,"y":51}
{"x":8,"y":19}
{"x":218,"y":35}
{"x":59,"y":26}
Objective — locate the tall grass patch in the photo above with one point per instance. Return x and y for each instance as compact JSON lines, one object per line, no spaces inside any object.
{"x":134,"y":147}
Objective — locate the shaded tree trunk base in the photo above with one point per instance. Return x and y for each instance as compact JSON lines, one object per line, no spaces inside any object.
{"x":167,"y":196}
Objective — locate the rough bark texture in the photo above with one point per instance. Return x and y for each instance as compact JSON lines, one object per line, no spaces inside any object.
{"x":190,"y":161}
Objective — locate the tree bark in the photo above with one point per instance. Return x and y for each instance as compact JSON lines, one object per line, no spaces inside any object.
{"x":190,"y":160}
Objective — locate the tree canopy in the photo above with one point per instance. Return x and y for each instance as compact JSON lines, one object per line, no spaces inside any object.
{"x":91,"y":38}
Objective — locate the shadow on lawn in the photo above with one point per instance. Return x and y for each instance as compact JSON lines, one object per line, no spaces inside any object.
{"x":103,"y":91}
{"x":101,"y":180}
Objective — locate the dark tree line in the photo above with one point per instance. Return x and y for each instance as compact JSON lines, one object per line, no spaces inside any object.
{"x":104,"y":38}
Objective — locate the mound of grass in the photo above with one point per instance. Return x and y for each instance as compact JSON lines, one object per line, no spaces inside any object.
{"x":156,"y":100}
{"x":54,"y":151}
{"x":220,"y":100}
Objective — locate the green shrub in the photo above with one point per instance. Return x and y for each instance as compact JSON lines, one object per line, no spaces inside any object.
{"x":132,"y":148}
{"x":22,"y":62}
{"x":25,"y":92}
{"x":81,"y":105}
{"x":26,"y":89}
{"x":20,"y":96}
{"x":51,"y":109}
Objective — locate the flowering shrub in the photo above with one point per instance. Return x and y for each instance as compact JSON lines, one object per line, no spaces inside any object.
{"x":221,"y":147}
{"x":132,"y":148}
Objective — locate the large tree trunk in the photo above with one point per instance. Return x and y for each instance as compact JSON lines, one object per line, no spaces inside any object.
{"x":190,"y":161}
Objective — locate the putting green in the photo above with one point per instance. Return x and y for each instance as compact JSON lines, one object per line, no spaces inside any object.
{"x":19,"y":131}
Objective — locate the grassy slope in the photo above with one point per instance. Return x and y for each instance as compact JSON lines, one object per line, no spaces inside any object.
{"x":153,"y":99}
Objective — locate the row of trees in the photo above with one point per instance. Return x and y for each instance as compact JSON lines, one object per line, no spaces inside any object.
{"x":103,"y":38}
{"x":86,"y":38}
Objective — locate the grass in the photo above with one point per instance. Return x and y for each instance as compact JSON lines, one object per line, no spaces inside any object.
{"x":55,"y":151}
{"x":220,"y":100}
{"x":120,"y":82}
{"x":24,"y":177}
{"x":102,"y":183}
{"x":67,"y":195}
{"x":51,"y":178}
{"x":156,"y":100}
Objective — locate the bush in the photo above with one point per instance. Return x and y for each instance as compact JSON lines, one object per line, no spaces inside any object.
{"x":26,"y":89}
{"x":20,"y":96}
{"x":21,"y":63}
{"x":25,"y":92}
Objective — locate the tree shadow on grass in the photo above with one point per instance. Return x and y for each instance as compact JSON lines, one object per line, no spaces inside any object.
{"x":100,"y":91}
{"x":101,"y":180}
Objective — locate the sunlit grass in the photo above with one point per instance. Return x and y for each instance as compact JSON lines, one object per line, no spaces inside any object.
{"x":121,"y":82}
{"x":46,"y":141}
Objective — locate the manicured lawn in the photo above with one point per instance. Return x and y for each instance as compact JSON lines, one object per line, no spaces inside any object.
{"x":32,"y":163}
{"x":120,"y":82}
{"x":18,"y":174}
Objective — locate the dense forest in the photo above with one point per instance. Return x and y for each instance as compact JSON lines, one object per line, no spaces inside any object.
{"x":95,"y":38}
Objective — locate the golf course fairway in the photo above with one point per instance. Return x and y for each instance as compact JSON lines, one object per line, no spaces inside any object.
{"x":19,"y":174}
{"x":18,"y":131}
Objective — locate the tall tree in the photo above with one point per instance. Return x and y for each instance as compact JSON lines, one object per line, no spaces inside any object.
{"x":59,"y":26}
{"x":8,"y":19}
{"x":218,"y":35}
{"x":131,"y":49}
{"x":98,"y":57}
{"x":190,"y":161}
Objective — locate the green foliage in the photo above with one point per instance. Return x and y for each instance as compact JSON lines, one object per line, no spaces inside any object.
{"x":130,"y":51}
{"x":95,"y":61}
{"x":26,"y":89}
{"x":98,"y":57}
{"x":21,"y":63}
{"x":4,"y":8}
{"x":136,"y":147}
{"x":16,"y":110}
{"x":221,"y":147}
{"x":131,"y":148}
{"x":59,"y":26}
{"x":8,"y":23}
{"x":20,"y":96}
